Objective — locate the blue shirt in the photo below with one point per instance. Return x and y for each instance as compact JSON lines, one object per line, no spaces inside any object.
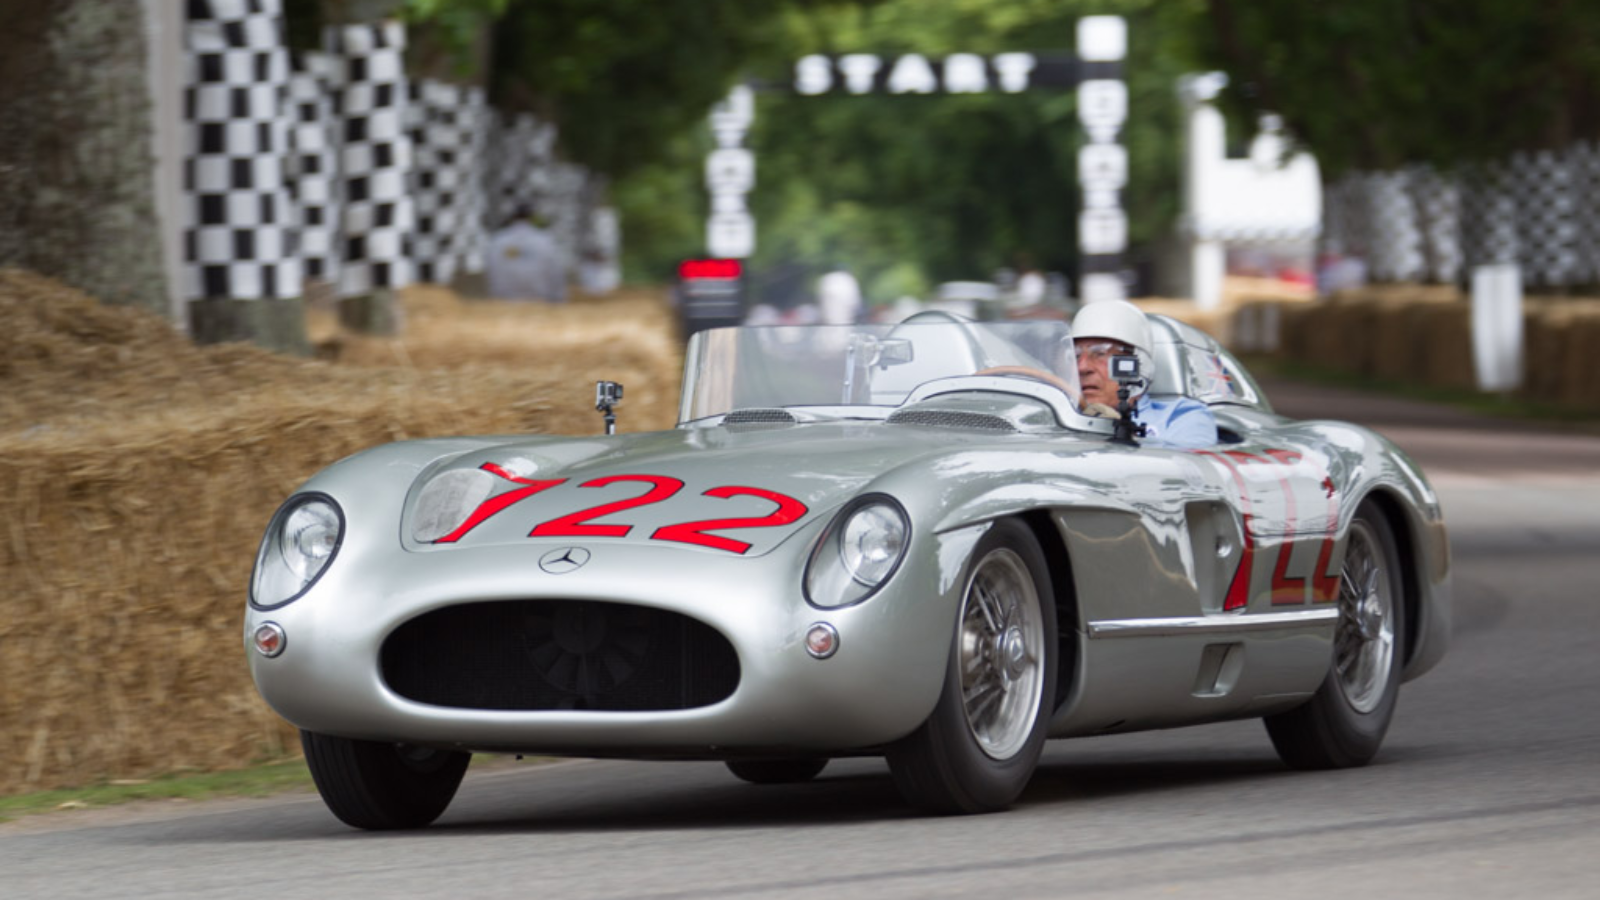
{"x":1178,"y":422}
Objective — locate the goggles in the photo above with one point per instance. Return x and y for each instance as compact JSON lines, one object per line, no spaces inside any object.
{"x":1099,"y":350}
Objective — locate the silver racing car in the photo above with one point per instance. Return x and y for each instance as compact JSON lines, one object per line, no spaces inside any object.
{"x":904,"y":541}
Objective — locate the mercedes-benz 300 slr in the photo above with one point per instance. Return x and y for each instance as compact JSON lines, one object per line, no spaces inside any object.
{"x":905,"y":541}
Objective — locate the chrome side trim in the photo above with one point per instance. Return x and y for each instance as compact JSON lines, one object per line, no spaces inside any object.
{"x":1219,"y":624}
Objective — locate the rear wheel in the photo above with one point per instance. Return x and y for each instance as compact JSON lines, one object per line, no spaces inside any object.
{"x":381,"y":786}
{"x":978,"y":749}
{"x":776,"y":771}
{"x":1344,"y":722}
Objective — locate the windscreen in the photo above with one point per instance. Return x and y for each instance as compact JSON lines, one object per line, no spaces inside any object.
{"x":863,"y":365}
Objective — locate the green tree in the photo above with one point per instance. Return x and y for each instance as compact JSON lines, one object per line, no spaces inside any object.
{"x":1373,"y":84}
{"x":911,"y":190}
{"x":76,"y":154}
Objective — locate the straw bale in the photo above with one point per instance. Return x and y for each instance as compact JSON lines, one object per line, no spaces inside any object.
{"x":137,"y":472}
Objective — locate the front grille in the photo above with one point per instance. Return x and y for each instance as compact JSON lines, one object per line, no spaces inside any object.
{"x":559,"y":655}
{"x":951,"y":418}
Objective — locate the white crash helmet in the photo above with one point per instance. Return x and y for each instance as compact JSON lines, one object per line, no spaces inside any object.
{"x":1117,"y":320}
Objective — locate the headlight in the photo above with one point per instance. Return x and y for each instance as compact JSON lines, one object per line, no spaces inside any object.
{"x":301,"y":541}
{"x":446,"y":502}
{"x":858,"y":552}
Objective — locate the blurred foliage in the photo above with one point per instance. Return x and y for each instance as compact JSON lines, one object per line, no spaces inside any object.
{"x":906,"y":191}
{"x":1374,"y":84}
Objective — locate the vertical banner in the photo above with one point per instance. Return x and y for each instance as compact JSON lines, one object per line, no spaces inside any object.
{"x":1102,"y":161}
{"x":314,"y":164}
{"x":730,"y":174}
{"x":240,"y":230}
{"x":375,"y":157}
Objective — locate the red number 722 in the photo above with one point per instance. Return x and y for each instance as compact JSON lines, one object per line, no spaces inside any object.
{"x":660,"y":488}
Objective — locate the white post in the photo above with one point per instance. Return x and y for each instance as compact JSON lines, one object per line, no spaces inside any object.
{"x":1497,"y":326}
{"x":1102,"y":161}
{"x":1207,"y":267}
{"x":730,"y":174}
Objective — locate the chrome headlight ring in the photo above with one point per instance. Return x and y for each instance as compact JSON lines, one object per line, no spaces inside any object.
{"x":301,"y":542}
{"x":858,"y":552}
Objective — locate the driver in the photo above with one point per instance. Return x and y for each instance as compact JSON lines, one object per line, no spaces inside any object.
{"x":1108,"y":328}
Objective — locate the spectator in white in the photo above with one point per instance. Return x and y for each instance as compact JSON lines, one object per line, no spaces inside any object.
{"x":1030,"y":288}
{"x":839,"y":297}
{"x":1108,"y":328}
{"x":525,"y":263}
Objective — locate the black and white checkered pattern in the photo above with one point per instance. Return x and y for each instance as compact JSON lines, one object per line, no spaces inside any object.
{"x":1489,"y":234}
{"x":314,"y":164}
{"x":1395,"y":253}
{"x":374,"y":155}
{"x":1584,"y":158}
{"x":1438,"y":209}
{"x":448,"y":132}
{"x":239,"y":228}
{"x":521,"y":154}
{"x":1546,"y":208}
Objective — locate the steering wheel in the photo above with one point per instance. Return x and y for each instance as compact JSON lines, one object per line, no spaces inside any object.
{"x":1047,"y":377}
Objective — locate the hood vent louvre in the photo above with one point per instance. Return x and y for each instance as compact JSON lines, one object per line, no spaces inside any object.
{"x":952,"y":418}
{"x":760,"y":417}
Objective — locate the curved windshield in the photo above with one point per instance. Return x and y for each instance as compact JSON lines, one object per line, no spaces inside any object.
{"x":864,"y":365}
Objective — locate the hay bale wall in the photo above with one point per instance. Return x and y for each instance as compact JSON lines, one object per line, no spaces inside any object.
{"x":1423,"y":335}
{"x":137,"y":473}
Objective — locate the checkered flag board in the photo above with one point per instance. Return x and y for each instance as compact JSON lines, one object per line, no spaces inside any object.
{"x":1438,"y":204}
{"x":239,"y":226}
{"x":471,"y":243}
{"x":313,"y":165}
{"x":521,"y":152}
{"x":447,"y":134}
{"x":1395,"y":253}
{"x":1584,"y":159}
{"x":1489,"y":216}
{"x":1546,"y":217}
{"x":374,"y":156}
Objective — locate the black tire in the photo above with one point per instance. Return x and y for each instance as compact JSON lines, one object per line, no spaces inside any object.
{"x":1344,"y":722}
{"x":960,"y":763}
{"x":383,"y":786}
{"x":776,"y":771}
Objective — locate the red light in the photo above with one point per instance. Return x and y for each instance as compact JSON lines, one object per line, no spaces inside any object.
{"x":709,"y":268}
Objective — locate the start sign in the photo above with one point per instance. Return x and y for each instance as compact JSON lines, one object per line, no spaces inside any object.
{"x":913,"y":73}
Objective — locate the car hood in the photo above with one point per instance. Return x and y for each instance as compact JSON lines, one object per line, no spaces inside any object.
{"x":722,"y":489}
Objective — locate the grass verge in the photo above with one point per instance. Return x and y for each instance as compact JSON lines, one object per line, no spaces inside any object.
{"x":258,"y":781}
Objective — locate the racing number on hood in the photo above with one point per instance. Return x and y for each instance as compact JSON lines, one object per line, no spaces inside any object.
{"x":789,"y":510}
{"x":662,"y":487}
{"x":573,"y":525}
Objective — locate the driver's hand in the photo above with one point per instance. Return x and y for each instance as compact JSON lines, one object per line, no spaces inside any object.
{"x":1101,"y":411}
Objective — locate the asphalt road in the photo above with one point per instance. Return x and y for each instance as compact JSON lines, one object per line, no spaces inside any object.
{"x":1488,"y":785}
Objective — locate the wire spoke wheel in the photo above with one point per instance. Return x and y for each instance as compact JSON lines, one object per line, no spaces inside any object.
{"x":1364,"y":643}
{"x":1344,"y":722}
{"x":1002,"y":654}
{"x":978,"y":748}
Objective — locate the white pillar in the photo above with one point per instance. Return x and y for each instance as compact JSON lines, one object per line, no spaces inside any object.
{"x":1497,"y":326}
{"x":1207,"y":266}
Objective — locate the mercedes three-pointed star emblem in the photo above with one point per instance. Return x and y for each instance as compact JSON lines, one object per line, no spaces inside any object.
{"x":563,"y":560}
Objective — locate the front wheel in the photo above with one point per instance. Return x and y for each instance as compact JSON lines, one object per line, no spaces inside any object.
{"x":1344,"y":722}
{"x":382,"y":786}
{"x":979,"y":747}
